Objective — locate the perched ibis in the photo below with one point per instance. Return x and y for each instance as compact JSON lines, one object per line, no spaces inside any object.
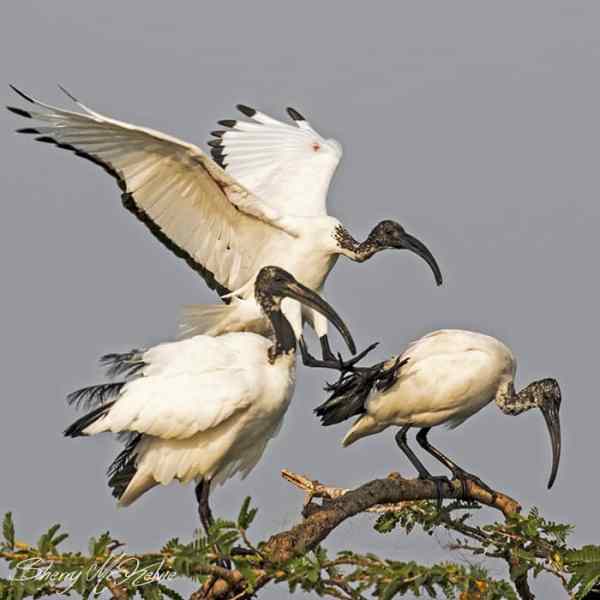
{"x":202,"y":408}
{"x":441,"y":379}
{"x":261,"y":202}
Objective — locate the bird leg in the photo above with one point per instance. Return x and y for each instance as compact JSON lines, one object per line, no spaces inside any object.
{"x":457,"y":472}
{"x":326,"y":352}
{"x":332,"y":362}
{"x":202,"y":492}
{"x":206,"y":518}
{"x":438,"y":480}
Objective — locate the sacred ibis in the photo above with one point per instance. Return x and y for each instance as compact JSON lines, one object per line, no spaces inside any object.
{"x":202,"y":408}
{"x":441,"y":379}
{"x":264,"y":203}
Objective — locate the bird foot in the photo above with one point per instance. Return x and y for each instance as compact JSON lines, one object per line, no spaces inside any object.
{"x":464,"y":476}
{"x":439,"y":481}
{"x":329,"y":361}
{"x":388,"y":377}
{"x":347,"y":365}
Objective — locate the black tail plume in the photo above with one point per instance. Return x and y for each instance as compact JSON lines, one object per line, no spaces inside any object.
{"x":127,"y":363}
{"x":76,"y":429}
{"x":95,"y":395}
{"x":122,"y":470}
{"x":351,"y":392}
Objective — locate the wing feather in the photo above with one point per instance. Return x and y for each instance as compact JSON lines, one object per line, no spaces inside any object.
{"x":289,"y":167}
{"x":200,"y":212}
{"x":183,"y":388}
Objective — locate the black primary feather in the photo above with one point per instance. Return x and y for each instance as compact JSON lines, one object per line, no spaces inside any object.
{"x":22,"y":94}
{"x":295,"y":114}
{"x":128,"y":364}
{"x":95,"y":395}
{"x":76,"y":429}
{"x":19,"y":111}
{"x":218,"y":157}
{"x":246,"y":110}
{"x":122,"y":470}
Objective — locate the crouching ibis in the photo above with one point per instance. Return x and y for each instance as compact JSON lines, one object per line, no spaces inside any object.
{"x":441,"y":379}
{"x":203,"y":408}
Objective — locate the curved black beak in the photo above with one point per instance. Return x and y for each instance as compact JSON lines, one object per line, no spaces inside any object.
{"x":550,"y":409}
{"x":409,"y":242}
{"x":306,"y":296}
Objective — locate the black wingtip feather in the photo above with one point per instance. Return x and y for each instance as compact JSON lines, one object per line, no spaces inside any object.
{"x":29,"y":130}
{"x":218,"y":134}
{"x":22,"y":94}
{"x":19,"y":111}
{"x":217,"y":155}
{"x":246,"y":110}
{"x":77,"y":428}
{"x":67,"y":93}
{"x":214,"y":143}
{"x":295,"y":114}
{"x":227,"y":123}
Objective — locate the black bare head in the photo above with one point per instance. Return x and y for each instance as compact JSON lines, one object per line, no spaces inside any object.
{"x":390,"y":234}
{"x":273,"y":284}
{"x":545,"y":395}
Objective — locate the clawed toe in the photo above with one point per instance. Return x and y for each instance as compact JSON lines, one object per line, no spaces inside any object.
{"x":464,"y":476}
{"x":439,"y":481}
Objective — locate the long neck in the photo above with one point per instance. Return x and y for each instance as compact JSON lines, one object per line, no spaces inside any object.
{"x":514,"y":403}
{"x":284,"y":336}
{"x":349,"y":247}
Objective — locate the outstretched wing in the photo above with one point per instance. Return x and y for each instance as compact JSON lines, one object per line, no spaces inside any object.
{"x":288,"y":166}
{"x":188,"y":202}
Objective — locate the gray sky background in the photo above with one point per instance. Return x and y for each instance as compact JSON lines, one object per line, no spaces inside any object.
{"x":475,"y":124}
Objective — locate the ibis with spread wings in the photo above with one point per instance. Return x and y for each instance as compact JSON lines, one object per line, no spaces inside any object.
{"x":260,"y":200}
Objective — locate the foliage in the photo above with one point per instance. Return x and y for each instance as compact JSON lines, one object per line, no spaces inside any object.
{"x":530,"y":545}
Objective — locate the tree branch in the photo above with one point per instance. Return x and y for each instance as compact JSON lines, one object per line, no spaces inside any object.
{"x":393,"y":493}
{"x":343,"y":504}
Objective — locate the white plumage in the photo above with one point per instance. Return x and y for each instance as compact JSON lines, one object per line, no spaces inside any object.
{"x":207,"y":408}
{"x":290,"y":167}
{"x":449,"y":376}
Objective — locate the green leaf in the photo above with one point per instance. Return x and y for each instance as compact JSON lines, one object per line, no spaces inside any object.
{"x":589,"y":581}
{"x":8,"y":530}
{"x":246,"y":515}
{"x":386,"y":522}
{"x":169,"y":593}
{"x":391,"y":589}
